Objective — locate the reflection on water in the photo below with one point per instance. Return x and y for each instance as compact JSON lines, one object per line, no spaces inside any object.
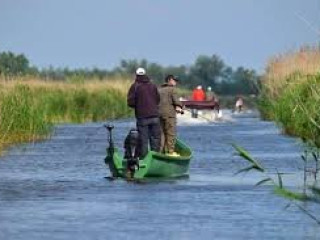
{"x":57,"y":189}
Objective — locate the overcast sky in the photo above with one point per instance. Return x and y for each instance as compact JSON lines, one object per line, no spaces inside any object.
{"x":99,"y":33}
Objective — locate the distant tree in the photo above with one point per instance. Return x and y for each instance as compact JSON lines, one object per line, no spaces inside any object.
{"x":206,"y":70}
{"x":246,"y":81}
{"x":129,"y":66}
{"x":156,"y":72}
{"x":226,"y":74}
{"x":11,"y":64}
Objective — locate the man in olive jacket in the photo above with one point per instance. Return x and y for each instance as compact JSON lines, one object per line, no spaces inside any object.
{"x":168,"y":108}
{"x":144,"y":97}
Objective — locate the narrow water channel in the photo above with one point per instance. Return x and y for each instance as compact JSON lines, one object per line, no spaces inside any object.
{"x":56,"y":189}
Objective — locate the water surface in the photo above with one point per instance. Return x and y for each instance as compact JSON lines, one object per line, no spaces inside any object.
{"x":56,"y":189}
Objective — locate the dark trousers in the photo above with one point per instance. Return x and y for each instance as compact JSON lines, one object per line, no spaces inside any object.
{"x":194,"y":113}
{"x":149,"y":131}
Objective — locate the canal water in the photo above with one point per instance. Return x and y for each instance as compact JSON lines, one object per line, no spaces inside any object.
{"x":56,"y":189}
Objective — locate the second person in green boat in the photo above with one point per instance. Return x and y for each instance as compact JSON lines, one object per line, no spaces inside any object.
{"x":168,"y":108}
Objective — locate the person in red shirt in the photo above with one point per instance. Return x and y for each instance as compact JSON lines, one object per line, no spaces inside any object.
{"x":198,"y":94}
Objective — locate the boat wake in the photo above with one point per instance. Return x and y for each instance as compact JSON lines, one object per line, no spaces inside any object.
{"x":205,"y":117}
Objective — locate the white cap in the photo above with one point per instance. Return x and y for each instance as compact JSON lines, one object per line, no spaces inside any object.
{"x":209,"y":88}
{"x":199,"y":87}
{"x":140,"y":71}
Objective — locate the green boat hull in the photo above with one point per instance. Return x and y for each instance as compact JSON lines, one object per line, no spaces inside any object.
{"x":153,"y":165}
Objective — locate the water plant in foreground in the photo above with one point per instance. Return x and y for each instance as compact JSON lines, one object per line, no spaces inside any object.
{"x":311,"y":192}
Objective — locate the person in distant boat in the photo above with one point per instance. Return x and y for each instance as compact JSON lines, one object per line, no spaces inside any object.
{"x":211,"y":96}
{"x":169,"y":107}
{"x":197,"y":95}
{"x":239,"y":104}
{"x":144,"y":97}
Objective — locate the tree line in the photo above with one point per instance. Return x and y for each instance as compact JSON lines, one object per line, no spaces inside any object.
{"x":206,"y":71}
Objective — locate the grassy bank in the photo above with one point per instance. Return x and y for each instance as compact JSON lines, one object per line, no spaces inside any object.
{"x":29,"y":108}
{"x":291,"y":93}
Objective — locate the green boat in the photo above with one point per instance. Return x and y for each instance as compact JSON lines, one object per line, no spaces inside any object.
{"x":153,"y":165}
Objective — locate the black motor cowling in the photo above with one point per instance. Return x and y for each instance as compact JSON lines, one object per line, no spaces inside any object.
{"x":131,"y":154}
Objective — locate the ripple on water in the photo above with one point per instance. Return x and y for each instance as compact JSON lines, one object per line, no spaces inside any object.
{"x":56,"y":189}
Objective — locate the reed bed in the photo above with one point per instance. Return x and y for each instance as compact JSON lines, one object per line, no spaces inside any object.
{"x":288,"y":68}
{"x":291,"y":93}
{"x":29,"y":107}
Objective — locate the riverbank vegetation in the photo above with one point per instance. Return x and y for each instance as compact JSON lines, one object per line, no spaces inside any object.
{"x":33,"y":99}
{"x":206,"y":71}
{"x":29,"y":107}
{"x":291,"y":93}
{"x":290,"y":96}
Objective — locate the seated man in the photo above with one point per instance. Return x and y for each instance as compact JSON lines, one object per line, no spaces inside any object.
{"x":197,"y":95}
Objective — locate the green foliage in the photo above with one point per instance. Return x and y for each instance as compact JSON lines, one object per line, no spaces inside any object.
{"x":297,"y":110}
{"x":266,"y":107}
{"x":56,"y":103}
{"x":21,"y":115}
{"x":81,"y":105}
{"x":279,"y":189}
{"x":11,"y":64}
{"x":254,"y":164}
{"x":206,"y":71}
{"x":290,"y":195}
{"x":28,"y":113}
{"x":75,"y":78}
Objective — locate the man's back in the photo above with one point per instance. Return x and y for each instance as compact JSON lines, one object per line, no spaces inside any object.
{"x":198,"y":95}
{"x":144,"y":97}
{"x":168,"y":101}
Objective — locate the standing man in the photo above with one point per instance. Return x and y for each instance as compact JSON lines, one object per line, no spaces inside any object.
{"x":239,"y":104}
{"x":169,"y":106}
{"x":144,"y":97}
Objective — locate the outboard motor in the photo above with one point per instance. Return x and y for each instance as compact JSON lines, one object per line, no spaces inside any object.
{"x":131,"y":144}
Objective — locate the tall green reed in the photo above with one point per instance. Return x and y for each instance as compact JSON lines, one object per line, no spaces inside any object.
{"x":297,"y":109}
{"x":21,"y":116}
{"x":28,"y":111}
